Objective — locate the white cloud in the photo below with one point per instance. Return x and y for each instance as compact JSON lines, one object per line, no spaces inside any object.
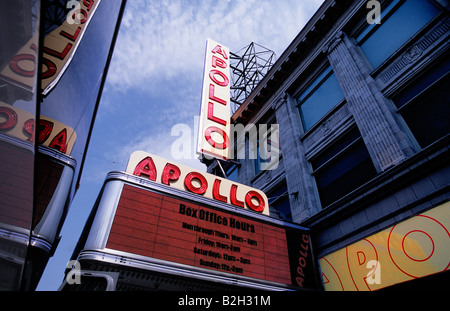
{"x":165,"y":40}
{"x":158,"y":60}
{"x":166,"y":144}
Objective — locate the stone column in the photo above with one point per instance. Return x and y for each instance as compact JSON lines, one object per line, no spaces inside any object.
{"x":386,"y":142}
{"x":301,"y":186}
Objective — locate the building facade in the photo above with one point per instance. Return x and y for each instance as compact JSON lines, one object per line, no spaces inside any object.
{"x":53,"y":65}
{"x":362,"y":158}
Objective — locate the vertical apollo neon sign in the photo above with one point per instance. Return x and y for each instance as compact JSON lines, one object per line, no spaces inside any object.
{"x":214,"y":128}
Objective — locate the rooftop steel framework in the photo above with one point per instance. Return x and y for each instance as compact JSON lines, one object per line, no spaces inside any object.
{"x":248,"y":68}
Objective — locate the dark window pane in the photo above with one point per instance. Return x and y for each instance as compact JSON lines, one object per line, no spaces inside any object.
{"x":428,"y":115}
{"x":327,"y":96}
{"x":279,"y":203}
{"x":350,"y":167}
{"x":438,"y":70}
{"x":232,"y":173}
{"x":314,"y":105}
{"x":336,"y":147}
{"x":404,"y":23}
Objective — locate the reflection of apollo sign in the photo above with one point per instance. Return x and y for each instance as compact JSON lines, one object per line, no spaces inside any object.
{"x":411,"y":249}
{"x":20,"y":124}
{"x":184,"y":178}
{"x":76,"y":14}
{"x":58,"y":50}
{"x":61,"y":44}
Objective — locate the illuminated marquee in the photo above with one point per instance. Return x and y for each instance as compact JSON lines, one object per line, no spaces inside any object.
{"x":184,"y":178}
{"x":215,"y":112}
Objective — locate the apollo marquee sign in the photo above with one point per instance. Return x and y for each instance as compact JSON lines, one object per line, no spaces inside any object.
{"x":207,"y":185}
{"x":147,"y":224}
{"x":166,"y":217}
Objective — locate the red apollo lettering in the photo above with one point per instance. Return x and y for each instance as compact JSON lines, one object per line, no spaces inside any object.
{"x":218,"y":49}
{"x":305,"y":239}
{"x":28,"y":129}
{"x":51,"y":68}
{"x":10,"y":116}
{"x":59,"y":142}
{"x":213,"y":76}
{"x":14,"y":65}
{"x":76,"y":16}
{"x":73,"y":37}
{"x":234,"y":200}
{"x":254,"y":195}
{"x":16,"y":61}
{"x":218,"y":62}
{"x":170,"y":173}
{"x":302,"y":263}
{"x":203,"y":183}
{"x":214,"y":129}
{"x":305,"y":248}
{"x":79,"y":13}
{"x":212,"y":117}
{"x":407,"y":258}
{"x":45,"y":128}
{"x":44,"y":131}
{"x":196,"y":183}
{"x":88,"y":4}
{"x":60,"y":55}
{"x":146,"y":167}
{"x":213,"y":97}
{"x":216,"y":192}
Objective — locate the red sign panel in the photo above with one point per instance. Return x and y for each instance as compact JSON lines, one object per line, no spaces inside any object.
{"x":163,"y":227}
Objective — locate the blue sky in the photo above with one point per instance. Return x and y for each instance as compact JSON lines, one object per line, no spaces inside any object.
{"x":155,"y":81}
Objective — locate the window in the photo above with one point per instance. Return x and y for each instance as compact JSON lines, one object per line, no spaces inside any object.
{"x":279,"y":206}
{"x":232,"y":173}
{"x":378,"y":42}
{"x":425,"y":105}
{"x":231,"y":170}
{"x":268,"y":148}
{"x":259,"y":161}
{"x":342,"y":167}
{"x":319,"y":98}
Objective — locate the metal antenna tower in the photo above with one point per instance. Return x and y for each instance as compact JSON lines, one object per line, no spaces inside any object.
{"x":248,"y":68}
